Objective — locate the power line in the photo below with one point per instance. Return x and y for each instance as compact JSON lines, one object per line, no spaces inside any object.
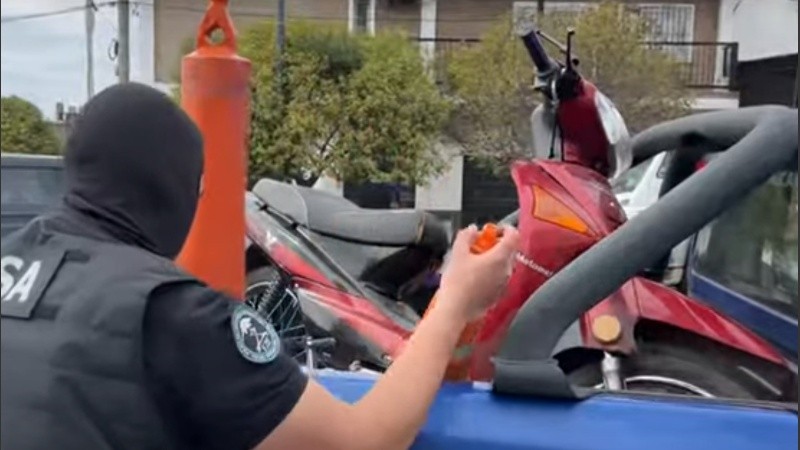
{"x":339,"y":18}
{"x":57,"y":12}
{"x":244,"y":13}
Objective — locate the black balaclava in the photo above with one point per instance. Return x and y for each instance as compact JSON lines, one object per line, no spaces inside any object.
{"x":133,"y":166}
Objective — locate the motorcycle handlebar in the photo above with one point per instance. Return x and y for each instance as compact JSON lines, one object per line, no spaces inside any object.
{"x":537,"y":52}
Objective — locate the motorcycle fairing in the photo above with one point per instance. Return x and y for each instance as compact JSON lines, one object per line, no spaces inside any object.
{"x":544,"y":249}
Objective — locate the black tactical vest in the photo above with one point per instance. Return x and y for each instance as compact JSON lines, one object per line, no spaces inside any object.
{"x":72,"y":371}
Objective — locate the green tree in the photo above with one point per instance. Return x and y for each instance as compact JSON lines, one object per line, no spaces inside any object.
{"x":354,"y":107}
{"x":493,"y":80}
{"x":24,"y":129}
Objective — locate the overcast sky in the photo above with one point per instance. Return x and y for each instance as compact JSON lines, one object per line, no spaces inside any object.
{"x":44,"y":59}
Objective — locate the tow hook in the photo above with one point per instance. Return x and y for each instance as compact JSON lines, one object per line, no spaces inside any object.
{"x":611,"y":368}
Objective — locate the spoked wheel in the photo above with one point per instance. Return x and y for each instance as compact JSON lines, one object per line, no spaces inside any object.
{"x":668,"y":369}
{"x":271,"y":296}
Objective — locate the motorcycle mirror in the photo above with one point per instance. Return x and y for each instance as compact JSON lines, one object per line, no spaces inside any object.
{"x":571,"y":62}
{"x":566,"y":50}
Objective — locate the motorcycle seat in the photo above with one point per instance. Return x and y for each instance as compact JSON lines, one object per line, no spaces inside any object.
{"x":336,"y":217}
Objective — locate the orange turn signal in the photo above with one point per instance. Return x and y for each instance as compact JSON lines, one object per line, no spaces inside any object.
{"x":548,"y":208}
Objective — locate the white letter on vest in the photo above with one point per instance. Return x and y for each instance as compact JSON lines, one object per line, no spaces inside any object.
{"x":7,"y":277}
{"x":23,"y":287}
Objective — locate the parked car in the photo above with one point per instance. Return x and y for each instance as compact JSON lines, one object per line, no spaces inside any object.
{"x":31,"y":184}
{"x":636,"y":190}
{"x":638,"y":187}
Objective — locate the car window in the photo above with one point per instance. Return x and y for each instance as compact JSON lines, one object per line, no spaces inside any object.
{"x":752,"y":248}
{"x":31,"y":186}
{"x":628,"y":181}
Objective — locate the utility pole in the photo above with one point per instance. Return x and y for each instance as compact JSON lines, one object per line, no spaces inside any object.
{"x":280,"y":51}
{"x":90,"y":49}
{"x":280,"y":37}
{"x":123,"y":39}
{"x":796,"y":98}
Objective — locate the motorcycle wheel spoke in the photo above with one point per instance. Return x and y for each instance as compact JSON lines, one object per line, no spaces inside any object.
{"x":285,"y":315}
{"x":282,"y":333}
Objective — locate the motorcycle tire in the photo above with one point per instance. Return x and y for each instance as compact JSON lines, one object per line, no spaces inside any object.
{"x":670,"y":369}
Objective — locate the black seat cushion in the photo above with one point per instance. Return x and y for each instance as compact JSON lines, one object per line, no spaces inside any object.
{"x":335,"y":216}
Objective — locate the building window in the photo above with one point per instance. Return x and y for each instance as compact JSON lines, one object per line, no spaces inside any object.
{"x":669,"y":22}
{"x":362,"y":13}
{"x":362,"y":16}
{"x":524,"y":13}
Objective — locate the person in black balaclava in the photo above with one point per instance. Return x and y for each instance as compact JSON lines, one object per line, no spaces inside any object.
{"x":124,"y":177}
{"x":106,"y":344}
{"x":128,"y":180}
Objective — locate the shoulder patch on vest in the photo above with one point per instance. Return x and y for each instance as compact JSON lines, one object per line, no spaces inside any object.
{"x":256,"y":338}
{"x":26,"y":279}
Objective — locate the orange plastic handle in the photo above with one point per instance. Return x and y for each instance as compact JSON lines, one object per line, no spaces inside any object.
{"x":489,"y":236}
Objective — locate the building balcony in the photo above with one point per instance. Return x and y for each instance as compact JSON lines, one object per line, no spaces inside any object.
{"x":705,"y":66}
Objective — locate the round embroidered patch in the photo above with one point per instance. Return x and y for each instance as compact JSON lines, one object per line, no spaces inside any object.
{"x":256,"y":338}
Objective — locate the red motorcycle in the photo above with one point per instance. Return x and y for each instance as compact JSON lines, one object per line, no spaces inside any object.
{"x":320,"y":267}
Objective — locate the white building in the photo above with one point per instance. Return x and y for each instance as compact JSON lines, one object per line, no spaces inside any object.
{"x":762,"y":28}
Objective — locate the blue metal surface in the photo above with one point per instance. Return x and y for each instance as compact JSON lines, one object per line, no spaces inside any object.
{"x":472,"y":418}
{"x":779,"y":329}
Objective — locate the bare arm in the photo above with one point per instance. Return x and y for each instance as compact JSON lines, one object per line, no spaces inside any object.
{"x":391,"y":414}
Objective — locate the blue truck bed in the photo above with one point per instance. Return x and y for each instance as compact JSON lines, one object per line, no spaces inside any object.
{"x":471,"y":417}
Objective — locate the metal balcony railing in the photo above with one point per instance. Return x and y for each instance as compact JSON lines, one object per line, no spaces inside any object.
{"x":704,"y":65}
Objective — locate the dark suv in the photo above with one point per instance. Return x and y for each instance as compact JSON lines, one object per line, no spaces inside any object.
{"x":31,"y":184}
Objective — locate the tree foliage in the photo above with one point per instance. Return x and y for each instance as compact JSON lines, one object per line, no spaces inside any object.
{"x":354,"y":107}
{"x":24,"y":129}
{"x":493,"y":79}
